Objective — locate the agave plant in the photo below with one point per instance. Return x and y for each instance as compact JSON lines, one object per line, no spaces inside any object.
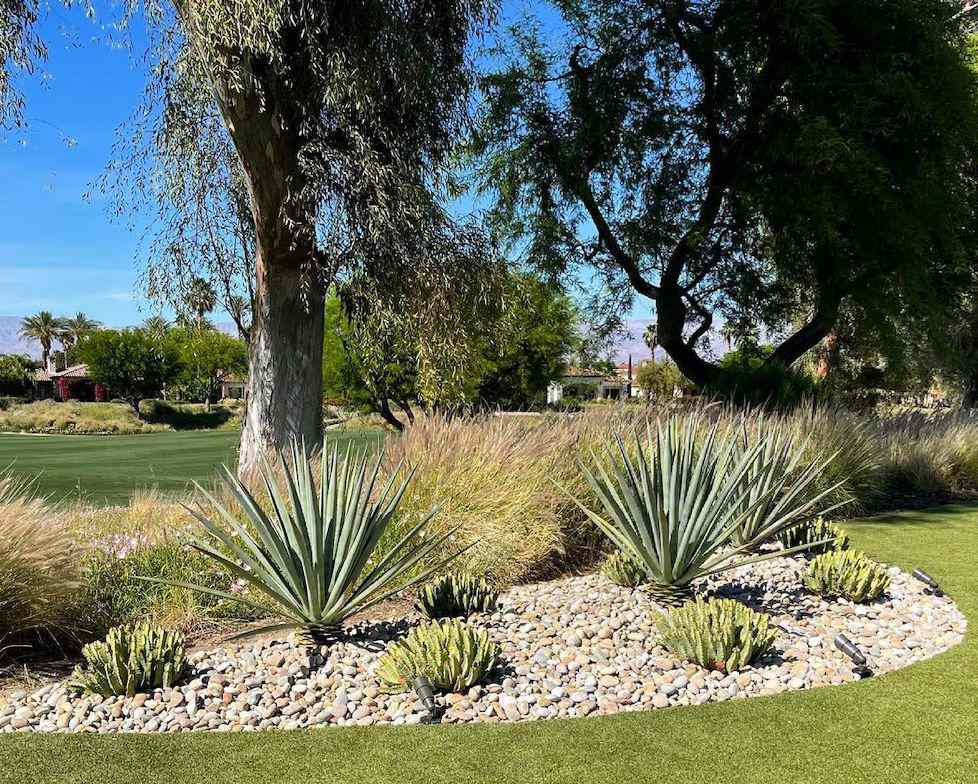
{"x":313,"y":555}
{"x":778,"y":488}
{"x":676,"y":502}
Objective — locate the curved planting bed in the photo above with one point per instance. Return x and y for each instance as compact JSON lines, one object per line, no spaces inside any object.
{"x":574,"y":647}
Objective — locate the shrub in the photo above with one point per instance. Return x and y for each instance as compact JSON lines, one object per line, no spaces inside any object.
{"x":457,"y":595}
{"x":74,"y":418}
{"x":623,"y":570}
{"x":848,"y":574}
{"x":141,"y":657}
{"x":451,"y":654}
{"x":719,"y":634}
{"x":676,"y":501}
{"x":311,"y":558}
{"x":117,"y":593}
{"x":39,"y":574}
{"x":812,"y":535}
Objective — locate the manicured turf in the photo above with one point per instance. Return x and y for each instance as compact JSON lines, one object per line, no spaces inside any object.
{"x":916,"y":725}
{"x":106,"y":469}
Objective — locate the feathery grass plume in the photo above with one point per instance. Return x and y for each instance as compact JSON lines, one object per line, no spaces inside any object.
{"x":311,"y":558}
{"x":39,"y":574}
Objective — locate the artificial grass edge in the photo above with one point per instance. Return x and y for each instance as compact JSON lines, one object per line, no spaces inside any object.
{"x":916,"y":724}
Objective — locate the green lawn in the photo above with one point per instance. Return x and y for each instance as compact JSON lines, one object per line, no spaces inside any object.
{"x":916,"y":725}
{"x":106,"y":469}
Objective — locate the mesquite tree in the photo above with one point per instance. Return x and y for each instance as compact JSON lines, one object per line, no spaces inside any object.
{"x":340,"y":117}
{"x":768,"y":161}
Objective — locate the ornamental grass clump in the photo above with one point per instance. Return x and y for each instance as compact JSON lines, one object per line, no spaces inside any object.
{"x":132,"y":659}
{"x":623,"y":570}
{"x":310,"y":557}
{"x":674,"y":502}
{"x":39,"y":572}
{"x":719,"y":634}
{"x":847,"y":574}
{"x":456,"y":594}
{"x":452,"y":655}
{"x":817,"y":537}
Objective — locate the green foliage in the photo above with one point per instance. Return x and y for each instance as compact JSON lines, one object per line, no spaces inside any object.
{"x":674,"y":502}
{"x":812,"y":534}
{"x":16,"y":373}
{"x":116,"y":591}
{"x":719,"y":634}
{"x":207,"y":358}
{"x":130,"y":362}
{"x":622,"y":569}
{"x":750,"y":376}
{"x":456,"y":594}
{"x":659,"y":380}
{"x":311,"y":556}
{"x":136,"y":658}
{"x":537,"y":334}
{"x":848,"y":574}
{"x":73,"y":418}
{"x":794,"y":181}
{"x":191,"y":416}
{"x":451,"y":654}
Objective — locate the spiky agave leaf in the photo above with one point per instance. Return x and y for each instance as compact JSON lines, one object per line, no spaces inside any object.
{"x":778,"y":487}
{"x":675,"y":504}
{"x":310,"y":553}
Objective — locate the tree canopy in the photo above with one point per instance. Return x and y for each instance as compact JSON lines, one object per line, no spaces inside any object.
{"x":768,"y":162}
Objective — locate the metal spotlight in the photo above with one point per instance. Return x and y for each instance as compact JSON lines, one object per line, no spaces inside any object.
{"x":851,"y":650}
{"x":929,"y":581}
{"x":422,"y":687}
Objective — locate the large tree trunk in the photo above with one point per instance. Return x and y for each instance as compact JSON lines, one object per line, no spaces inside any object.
{"x":284,"y":393}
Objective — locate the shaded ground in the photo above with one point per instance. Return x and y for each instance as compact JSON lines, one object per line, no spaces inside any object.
{"x":104,"y":470}
{"x":917,"y":724}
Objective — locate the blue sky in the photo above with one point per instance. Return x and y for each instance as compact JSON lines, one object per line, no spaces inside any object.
{"x":58,"y":250}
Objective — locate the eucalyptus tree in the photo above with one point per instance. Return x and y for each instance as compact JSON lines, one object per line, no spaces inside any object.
{"x":761,"y":161}
{"x":21,"y":50}
{"x":340,"y":117}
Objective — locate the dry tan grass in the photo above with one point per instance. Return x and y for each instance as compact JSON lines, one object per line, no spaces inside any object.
{"x":39,"y":572}
{"x":50,"y":416}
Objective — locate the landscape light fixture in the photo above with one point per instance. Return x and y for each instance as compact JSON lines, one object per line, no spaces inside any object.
{"x":422,"y":687}
{"x":929,"y":581}
{"x":851,"y":650}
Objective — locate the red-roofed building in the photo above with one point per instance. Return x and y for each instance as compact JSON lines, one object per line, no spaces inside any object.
{"x":72,"y":383}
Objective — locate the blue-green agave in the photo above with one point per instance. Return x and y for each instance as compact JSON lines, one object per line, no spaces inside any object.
{"x":312,"y":556}
{"x":676,"y":502}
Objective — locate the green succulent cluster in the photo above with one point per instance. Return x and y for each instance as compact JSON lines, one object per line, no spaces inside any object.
{"x":451,"y":654}
{"x":848,"y":574}
{"x":133,"y":658}
{"x":457,"y":594}
{"x":719,"y":634}
{"x":624,"y":570}
{"x":819,"y":536}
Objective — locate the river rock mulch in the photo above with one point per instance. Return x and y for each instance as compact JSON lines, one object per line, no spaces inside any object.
{"x":578,"y":646}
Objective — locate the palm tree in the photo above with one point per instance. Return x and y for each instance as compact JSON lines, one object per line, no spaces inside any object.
{"x":76,"y":328}
{"x":45,"y":329}
{"x":200,"y":300}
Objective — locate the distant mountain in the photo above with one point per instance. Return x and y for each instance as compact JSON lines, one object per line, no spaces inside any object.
{"x":628,"y":343}
{"x":11,"y":342}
